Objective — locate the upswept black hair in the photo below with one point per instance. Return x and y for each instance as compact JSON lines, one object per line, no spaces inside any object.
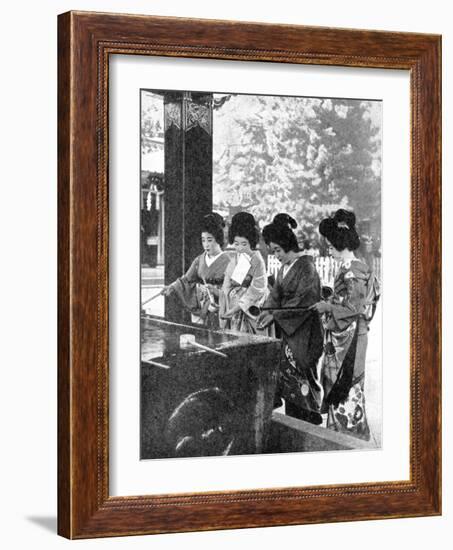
{"x":280,"y":232}
{"x":213,"y":223}
{"x":340,"y":230}
{"x":243,"y":225}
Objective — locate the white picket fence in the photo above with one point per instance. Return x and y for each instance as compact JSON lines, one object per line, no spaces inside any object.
{"x":326,"y":266}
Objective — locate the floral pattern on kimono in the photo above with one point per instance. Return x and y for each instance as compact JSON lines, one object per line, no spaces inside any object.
{"x":302,"y":338}
{"x":192,"y":291}
{"x":251,"y":292}
{"x":349,"y":416}
{"x":356,"y":293}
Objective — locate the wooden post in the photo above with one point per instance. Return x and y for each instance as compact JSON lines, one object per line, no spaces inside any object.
{"x":188,"y":183}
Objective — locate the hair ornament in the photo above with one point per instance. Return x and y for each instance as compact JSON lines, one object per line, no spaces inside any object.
{"x":343,"y":225}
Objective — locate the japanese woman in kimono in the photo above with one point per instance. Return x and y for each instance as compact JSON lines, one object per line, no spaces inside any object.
{"x":245,"y":283}
{"x":199,"y":288}
{"x":297,"y":286}
{"x":346,"y":318}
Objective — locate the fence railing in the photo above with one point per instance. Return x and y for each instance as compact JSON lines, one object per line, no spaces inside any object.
{"x":326,"y":266}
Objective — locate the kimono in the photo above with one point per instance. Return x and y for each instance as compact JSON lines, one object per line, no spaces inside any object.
{"x":251,"y":291}
{"x":192,"y":291}
{"x":356,"y":292}
{"x":302,"y":339}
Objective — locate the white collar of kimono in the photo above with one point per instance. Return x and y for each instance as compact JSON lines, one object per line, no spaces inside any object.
{"x":211,"y":259}
{"x":287,"y":267}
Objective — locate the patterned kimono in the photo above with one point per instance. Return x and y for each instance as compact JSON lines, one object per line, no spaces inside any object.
{"x":192,"y":291}
{"x":252,"y":291}
{"x":302,"y":338}
{"x":356,"y":293}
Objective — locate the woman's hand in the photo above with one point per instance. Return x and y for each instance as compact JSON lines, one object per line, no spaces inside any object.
{"x":212,"y":289}
{"x":264,"y":319}
{"x":230,"y":312}
{"x":212,"y":308}
{"x":167,"y":290}
{"x":227,"y":314}
{"x":322,"y":307}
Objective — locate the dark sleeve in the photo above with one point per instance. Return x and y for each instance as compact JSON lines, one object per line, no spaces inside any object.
{"x":191,"y":275}
{"x":186,"y":288}
{"x":274,"y":298}
{"x":307,"y":293}
{"x":353,"y":303}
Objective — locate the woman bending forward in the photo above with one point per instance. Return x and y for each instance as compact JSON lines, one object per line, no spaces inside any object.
{"x":297,"y":286}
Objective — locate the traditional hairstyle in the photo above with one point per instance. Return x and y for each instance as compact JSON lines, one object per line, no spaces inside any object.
{"x":340,"y":230}
{"x":243,"y":225}
{"x":280,"y":232}
{"x":213,"y":223}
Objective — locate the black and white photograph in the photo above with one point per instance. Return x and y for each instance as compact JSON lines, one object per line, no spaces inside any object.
{"x":261,"y":264}
{"x":226,"y":262}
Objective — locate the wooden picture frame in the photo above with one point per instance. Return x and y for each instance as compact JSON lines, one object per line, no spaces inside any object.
{"x":85,"y":41}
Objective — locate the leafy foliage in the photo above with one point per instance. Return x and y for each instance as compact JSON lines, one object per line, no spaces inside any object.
{"x":152,"y":121}
{"x":304,"y":156}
